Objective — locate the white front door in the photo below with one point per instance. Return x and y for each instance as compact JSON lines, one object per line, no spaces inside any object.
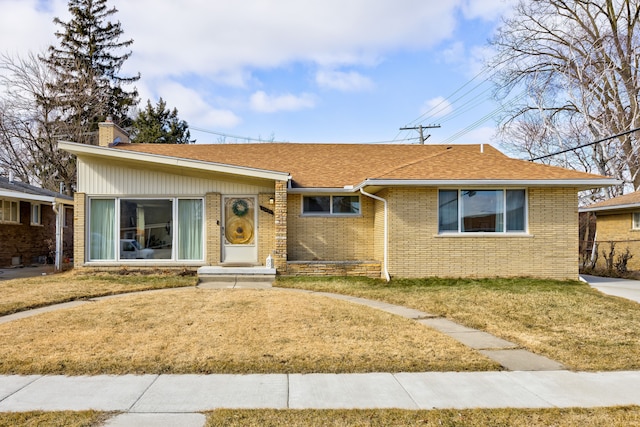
{"x":239,"y":231}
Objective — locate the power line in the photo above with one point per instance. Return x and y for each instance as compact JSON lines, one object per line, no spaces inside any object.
{"x":249,"y":139}
{"x":585,"y":145}
{"x":420,"y":128}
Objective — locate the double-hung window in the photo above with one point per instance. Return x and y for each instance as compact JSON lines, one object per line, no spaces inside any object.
{"x":331,"y":205}
{"x":479,"y":210}
{"x":9,"y":211}
{"x":169,"y":229}
{"x":36,"y":214}
{"x":635,"y":224}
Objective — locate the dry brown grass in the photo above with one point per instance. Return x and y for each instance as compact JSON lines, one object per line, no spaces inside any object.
{"x":566,"y":321}
{"x":61,"y":418}
{"x":226,"y":331}
{"x":609,"y":417}
{"x":572,"y":417}
{"x":24,"y":294}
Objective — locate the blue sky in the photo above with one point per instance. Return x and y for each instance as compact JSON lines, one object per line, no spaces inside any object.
{"x":298,"y":70}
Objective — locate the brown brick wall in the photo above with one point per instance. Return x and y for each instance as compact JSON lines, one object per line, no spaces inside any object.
{"x":618,"y":228}
{"x":549,"y":250}
{"x":330,"y":238}
{"x":30,"y":242}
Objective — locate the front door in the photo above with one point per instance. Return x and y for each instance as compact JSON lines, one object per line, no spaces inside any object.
{"x":239,"y":232}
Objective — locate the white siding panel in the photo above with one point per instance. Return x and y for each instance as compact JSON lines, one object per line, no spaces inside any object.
{"x":97,"y":178}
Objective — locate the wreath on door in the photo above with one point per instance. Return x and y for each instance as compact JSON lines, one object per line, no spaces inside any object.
{"x":240,"y":207}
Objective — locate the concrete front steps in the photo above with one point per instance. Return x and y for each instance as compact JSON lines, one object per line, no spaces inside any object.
{"x":226,"y":277}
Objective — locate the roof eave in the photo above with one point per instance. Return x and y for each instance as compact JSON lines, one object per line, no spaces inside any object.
{"x":578,"y":183}
{"x":610,"y":208}
{"x":33,"y":197}
{"x":106,"y":152}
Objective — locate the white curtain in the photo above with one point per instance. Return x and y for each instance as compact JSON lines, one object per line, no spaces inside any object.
{"x":190,"y":229}
{"x":516,"y":210}
{"x":102,"y":228}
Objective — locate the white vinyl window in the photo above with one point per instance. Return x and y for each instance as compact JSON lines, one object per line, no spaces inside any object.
{"x":36,"y":214}
{"x":331,"y":205}
{"x":9,"y":211}
{"x":485,"y":211}
{"x":636,"y":221}
{"x":169,"y":229}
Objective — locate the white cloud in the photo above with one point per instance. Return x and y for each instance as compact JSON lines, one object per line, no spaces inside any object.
{"x":436,"y":107}
{"x":486,"y":9}
{"x":216,"y":38}
{"x":263,"y":103}
{"x":344,"y":81}
{"x":191,"y":106}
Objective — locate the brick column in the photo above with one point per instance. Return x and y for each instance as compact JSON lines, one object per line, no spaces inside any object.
{"x":280,"y":253}
{"x":212,"y":223}
{"x":79,"y":215}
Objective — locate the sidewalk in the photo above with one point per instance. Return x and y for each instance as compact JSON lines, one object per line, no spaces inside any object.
{"x":624,"y":288}
{"x":141,"y":395}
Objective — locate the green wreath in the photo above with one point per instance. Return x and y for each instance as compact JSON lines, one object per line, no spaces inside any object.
{"x":240,"y":208}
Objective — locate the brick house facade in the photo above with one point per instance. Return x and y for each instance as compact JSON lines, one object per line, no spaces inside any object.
{"x":617,"y":223}
{"x":28,"y":224}
{"x":327,"y":209}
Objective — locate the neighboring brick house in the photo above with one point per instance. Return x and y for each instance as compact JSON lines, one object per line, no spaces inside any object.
{"x":617,"y":222}
{"x":329,"y":209}
{"x":28,"y":224}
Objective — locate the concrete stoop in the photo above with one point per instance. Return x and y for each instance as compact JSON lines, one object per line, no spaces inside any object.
{"x":220,"y":277}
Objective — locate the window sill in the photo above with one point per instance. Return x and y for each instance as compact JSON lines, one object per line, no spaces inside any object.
{"x":484,"y":234}
{"x":143,"y":263}
{"x":320,"y":215}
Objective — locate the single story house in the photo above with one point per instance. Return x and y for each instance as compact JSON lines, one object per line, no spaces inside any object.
{"x":330,"y":209}
{"x":617,"y":222}
{"x":36,"y":225}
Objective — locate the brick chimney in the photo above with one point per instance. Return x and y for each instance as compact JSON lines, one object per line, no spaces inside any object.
{"x":109,"y":132}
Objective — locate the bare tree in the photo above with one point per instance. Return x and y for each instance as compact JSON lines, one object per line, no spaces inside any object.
{"x":574,"y":66}
{"x":29,"y":129}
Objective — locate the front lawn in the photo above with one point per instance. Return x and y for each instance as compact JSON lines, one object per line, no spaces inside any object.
{"x":24,"y":294}
{"x":192,"y":330}
{"x":567,"y":321}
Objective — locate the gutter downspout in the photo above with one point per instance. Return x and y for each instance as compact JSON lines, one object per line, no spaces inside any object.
{"x":385,"y":266}
{"x":58,"y":264}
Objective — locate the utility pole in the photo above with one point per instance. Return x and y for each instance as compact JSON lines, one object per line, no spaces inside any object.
{"x":419,"y":129}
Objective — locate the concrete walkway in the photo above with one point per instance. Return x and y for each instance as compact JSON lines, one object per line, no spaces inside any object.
{"x":629,"y":289}
{"x":532,"y":381}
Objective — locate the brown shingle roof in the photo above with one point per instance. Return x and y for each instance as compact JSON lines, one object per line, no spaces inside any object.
{"x":337,"y":165}
{"x":620,"y":201}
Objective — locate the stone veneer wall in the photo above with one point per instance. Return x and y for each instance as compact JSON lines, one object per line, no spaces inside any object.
{"x":338,"y":268}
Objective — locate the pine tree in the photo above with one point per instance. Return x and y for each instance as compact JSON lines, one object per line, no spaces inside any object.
{"x":160,"y":125}
{"x":86,"y":66}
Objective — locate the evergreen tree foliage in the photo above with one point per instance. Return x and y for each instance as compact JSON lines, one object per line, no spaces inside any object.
{"x":160,"y":125}
{"x":86,"y":65}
